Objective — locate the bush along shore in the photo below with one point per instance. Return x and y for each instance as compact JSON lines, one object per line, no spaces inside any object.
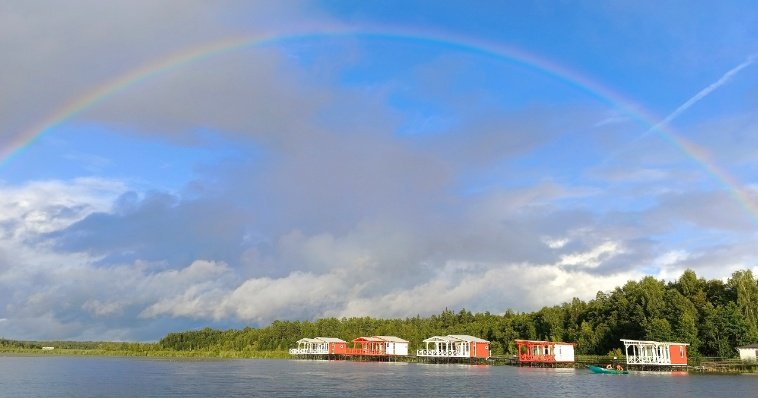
{"x":153,"y":350}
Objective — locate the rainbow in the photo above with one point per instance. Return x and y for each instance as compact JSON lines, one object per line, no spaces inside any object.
{"x":171,"y":62}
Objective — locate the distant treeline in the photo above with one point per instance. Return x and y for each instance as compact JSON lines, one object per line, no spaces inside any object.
{"x":78,"y":345}
{"x":712,"y":316}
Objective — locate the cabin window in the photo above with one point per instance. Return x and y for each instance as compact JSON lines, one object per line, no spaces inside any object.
{"x":681,"y":351}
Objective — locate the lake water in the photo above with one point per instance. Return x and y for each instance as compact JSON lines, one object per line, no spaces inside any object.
{"x":82,"y":377}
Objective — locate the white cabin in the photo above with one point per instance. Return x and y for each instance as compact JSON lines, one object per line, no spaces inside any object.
{"x":563,"y":352}
{"x":748,"y":353}
{"x":394,"y":345}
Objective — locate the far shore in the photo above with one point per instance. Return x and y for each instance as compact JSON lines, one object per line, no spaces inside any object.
{"x":146,"y":353}
{"x":748,"y":369}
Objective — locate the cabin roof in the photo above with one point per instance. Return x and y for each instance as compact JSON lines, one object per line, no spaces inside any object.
{"x":446,"y":339}
{"x":392,"y":339}
{"x":749,"y":346}
{"x":308,"y":340}
{"x":544,"y":342}
{"x":468,"y":338}
{"x":627,"y":341}
{"x":452,"y":338}
{"x":331,"y":339}
{"x":370,"y":339}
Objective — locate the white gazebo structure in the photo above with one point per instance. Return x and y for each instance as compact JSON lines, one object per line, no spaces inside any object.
{"x":308,"y":346}
{"x":320,"y":346}
{"x":441,"y":347}
{"x":748,"y":353}
{"x":655,"y":353}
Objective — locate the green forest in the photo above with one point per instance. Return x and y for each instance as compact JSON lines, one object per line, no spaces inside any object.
{"x":712,"y":316}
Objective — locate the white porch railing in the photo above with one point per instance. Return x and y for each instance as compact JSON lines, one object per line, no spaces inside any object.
{"x":647,"y":360}
{"x":304,"y":351}
{"x":441,"y":353}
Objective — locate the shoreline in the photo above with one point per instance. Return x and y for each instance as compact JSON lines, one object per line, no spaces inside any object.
{"x":147,"y":353}
{"x":743,"y":369}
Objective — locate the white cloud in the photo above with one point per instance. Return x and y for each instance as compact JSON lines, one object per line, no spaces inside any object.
{"x":456,"y":285}
{"x":592,"y":258}
{"x":44,"y":206}
{"x":98,"y":308}
{"x":555,"y":243}
{"x":671,"y":258}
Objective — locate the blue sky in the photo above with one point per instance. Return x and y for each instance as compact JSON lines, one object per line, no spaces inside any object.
{"x":486,"y":155}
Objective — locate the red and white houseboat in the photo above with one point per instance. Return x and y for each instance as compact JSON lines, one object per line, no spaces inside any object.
{"x":455,"y":346}
{"x":320,"y":346}
{"x":334,"y":346}
{"x":378,"y":346}
{"x":655,"y":353}
{"x":544,"y":352}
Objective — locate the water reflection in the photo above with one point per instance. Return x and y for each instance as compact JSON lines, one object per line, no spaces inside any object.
{"x":59,"y":377}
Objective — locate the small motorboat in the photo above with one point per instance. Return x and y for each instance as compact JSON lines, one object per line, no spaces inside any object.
{"x":599,"y":369}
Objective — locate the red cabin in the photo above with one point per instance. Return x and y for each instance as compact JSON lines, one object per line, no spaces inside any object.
{"x":530,"y":351}
{"x":474,"y":346}
{"x":678,"y":353}
{"x":379,"y":346}
{"x":373,"y":346}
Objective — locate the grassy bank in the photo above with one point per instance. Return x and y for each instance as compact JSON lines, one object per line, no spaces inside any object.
{"x":726,"y":366}
{"x":157,"y":353}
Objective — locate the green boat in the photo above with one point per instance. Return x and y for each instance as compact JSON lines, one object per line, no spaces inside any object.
{"x":598,"y":369}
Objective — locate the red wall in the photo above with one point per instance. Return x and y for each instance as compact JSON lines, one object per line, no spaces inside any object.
{"x":337,"y":348}
{"x":676,"y":358}
{"x":482,"y":350}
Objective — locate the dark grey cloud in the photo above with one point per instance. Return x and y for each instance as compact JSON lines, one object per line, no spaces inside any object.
{"x":58,"y":52}
{"x":157,"y":228}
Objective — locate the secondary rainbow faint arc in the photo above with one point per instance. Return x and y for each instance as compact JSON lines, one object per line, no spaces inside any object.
{"x":178,"y":59}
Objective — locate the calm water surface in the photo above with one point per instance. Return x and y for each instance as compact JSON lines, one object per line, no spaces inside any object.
{"x":128,"y":377}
